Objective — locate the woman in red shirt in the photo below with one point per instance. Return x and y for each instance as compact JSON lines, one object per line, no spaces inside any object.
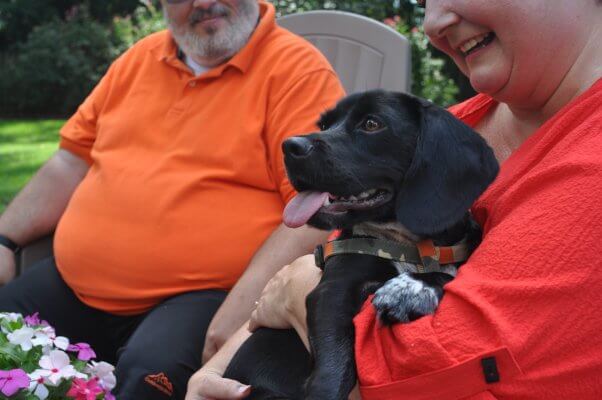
{"x":529,"y":297}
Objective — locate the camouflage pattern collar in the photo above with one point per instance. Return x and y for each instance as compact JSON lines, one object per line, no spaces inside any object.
{"x":425,"y":255}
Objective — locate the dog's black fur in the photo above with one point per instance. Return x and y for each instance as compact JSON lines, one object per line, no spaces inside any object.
{"x":429,"y":168}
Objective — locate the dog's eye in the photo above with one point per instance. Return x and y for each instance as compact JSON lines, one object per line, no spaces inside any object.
{"x":371,"y":124}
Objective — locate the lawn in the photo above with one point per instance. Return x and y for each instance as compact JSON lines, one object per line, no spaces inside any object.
{"x":24,"y":146}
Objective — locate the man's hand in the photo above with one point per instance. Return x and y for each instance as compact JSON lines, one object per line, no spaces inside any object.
{"x":7,"y":266}
{"x":282,"y":302}
{"x":282,"y":247}
{"x":235,"y":311}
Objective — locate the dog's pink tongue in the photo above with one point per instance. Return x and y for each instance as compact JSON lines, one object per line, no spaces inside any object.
{"x":300,"y":209}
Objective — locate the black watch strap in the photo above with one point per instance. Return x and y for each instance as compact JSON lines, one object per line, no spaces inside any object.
{"x":6,"y":242}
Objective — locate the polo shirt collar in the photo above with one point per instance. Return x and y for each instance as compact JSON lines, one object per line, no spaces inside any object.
{"x":168,"y":51}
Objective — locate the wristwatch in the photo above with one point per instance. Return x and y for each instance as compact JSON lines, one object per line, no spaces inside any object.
{"x":9,"y":244}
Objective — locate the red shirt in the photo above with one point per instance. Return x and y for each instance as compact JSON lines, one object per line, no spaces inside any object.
{"x":529,"y":296}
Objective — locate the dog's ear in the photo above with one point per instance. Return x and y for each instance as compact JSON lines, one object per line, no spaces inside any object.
{"x":451,"y":167}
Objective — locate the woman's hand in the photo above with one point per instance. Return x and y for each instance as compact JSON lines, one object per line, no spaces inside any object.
{"x":282,"y":302}
{"x":208,"y":384}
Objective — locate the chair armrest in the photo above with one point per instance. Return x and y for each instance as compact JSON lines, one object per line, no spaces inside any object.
{"x":34,"y":252}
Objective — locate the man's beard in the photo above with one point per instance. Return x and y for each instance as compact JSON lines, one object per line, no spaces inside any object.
{"x":218,"y":45}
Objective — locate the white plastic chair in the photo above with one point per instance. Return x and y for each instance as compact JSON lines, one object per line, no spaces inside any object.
{"x":366,"y":54}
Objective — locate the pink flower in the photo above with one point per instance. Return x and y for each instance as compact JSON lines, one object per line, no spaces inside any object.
{"x":34,"y":319}
{"x":84,"y":390}
{"x":12,"y":381}
{"x":85,"y":352}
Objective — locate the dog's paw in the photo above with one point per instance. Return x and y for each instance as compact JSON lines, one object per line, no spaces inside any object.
{"x":404,"y":299}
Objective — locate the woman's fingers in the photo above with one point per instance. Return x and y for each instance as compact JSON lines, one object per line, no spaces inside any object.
{"x":205,"y":385}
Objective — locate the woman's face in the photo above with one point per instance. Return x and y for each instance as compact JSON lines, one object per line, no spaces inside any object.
{"x":514,"y":50}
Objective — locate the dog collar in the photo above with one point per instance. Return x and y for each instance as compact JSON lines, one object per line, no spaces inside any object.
{"x":425,"y":255}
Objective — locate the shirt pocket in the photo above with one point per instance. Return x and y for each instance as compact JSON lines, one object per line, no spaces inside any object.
{"x":472,"y":379}
{"x":486,"y":395}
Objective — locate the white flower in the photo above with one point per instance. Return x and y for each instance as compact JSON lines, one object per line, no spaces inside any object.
{"x":22,"y":337}
{"x":104,"y":372}
{"x":48,"y":330}
{"x":57,"y":366}
{"x":61,"y":342}
{"x":37,"y":386}
{"x":12,"y":317}
{"x":46,"y":339}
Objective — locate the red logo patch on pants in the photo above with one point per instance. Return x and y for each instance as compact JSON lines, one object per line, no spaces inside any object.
{"x":160,"y":382}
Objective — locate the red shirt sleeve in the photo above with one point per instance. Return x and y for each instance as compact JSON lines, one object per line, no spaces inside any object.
{"x":528,"y":298}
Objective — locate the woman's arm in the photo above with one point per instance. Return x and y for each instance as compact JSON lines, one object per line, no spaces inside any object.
{"x":521,"y":308}
{"x":207,"y":383}
{"x":282,"y":302}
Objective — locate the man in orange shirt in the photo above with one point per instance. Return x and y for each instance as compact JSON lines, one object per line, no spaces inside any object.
{"x":168,"y":180}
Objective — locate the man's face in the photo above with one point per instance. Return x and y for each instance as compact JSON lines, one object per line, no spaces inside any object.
{"x":211,"y":31}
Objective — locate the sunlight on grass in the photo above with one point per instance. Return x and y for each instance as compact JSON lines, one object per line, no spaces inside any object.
{"x":24,"y":146}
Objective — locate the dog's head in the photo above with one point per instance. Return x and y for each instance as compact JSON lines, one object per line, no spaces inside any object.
{"x":385,"y":157}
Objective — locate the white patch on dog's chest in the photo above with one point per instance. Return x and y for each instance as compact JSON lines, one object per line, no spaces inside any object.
{"x":402,"y":267}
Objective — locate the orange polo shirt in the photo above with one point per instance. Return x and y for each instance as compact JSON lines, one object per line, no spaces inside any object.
{"x":186,"y":175}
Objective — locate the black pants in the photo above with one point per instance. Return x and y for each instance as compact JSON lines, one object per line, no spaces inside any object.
{"x":154,"y":353}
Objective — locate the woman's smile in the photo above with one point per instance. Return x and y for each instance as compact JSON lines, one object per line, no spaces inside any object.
{"x":476,"y":43}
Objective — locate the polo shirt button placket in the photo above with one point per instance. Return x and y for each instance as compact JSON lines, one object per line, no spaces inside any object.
{"x":192,"y":84}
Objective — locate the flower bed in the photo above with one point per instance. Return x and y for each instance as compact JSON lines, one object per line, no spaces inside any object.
{"x":37,"y":364}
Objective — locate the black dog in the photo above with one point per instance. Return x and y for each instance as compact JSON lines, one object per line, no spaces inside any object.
{"x":387,"y":167}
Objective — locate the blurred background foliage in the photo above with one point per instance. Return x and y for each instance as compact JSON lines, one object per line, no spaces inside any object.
{"x":52,"y":52}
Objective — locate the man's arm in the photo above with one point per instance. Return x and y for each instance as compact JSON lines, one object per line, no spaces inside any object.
{"x":293,"y":109}
{"x":38,"y":207}
{"x":282,"y":247}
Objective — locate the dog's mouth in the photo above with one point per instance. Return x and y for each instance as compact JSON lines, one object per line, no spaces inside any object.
{"x":303,"y":206}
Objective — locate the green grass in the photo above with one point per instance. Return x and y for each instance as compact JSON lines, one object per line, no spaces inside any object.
{"x":24,"y":146}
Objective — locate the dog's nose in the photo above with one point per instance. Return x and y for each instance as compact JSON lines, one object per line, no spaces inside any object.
{"x":298,"y":147}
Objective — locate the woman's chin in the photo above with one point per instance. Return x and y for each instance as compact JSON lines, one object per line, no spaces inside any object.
{"x":485,"y":80}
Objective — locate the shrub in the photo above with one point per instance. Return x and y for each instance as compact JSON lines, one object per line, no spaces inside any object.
{"x":51,"y":71}
{"x":429,"y":79}
{"x":145,"y":19}
{"x":55,"y":68}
